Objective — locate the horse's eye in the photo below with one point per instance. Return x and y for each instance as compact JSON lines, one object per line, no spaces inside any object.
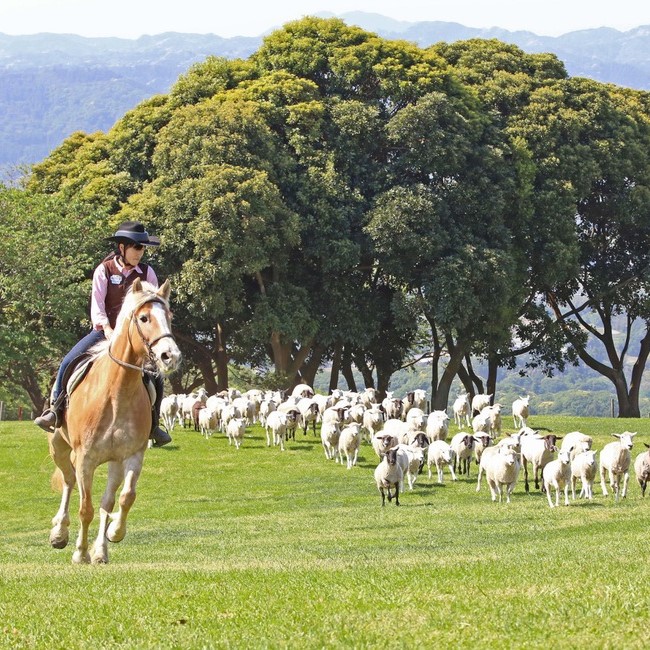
{"x":143,"y":319}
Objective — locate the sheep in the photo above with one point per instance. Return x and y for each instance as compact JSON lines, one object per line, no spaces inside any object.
{"x":235,"y":431}
{"x":267,"y":406}
{"x":583,"y":467}
{"x":418,"y":439}
{"x":207,"y":422}
{"x":411,"y":460}
{"x":356,"y":413}
{"x":480,"y":401}
{"x":308,"y":408}
{"x":511,"y":442}
{"x":382,"y":442}
{"x":416,"y":419}
{"x":246,"y":407}
{"x":392,"y":407}
{"x":369,"y":397}
{"x":441,"y":454}
{"x":642,"y":469}
{"x":615,"y":459}
{"x":330,"y":433}
{"x":481,"y":442}
{"x":520,"y":411}
{"x":293,"y":417}
{"x":576,"y":441}
{"x":373,"y":420}
{"x":492,"y":417}
{"x":302,"y":390}
{"x":396,"y":428}
{"x":414,"y":399}
{"x":437,"y":425}
{"x":557,"y":474}
{"x":349,"y":443}
{"x":169,"y":407}
{"x":324,"y":402}
{"x":276,"y":428}
{"x":462,"y":444}
{"x":462,"y":409}
{"x":502,"y":469}
{"x":389,"y":475}
{"x":538,"y":450}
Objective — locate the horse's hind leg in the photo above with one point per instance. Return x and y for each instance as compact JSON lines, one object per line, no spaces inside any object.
{"x":132,"y":468}
{"x":60,"y":452}
{"x":99,"y":553}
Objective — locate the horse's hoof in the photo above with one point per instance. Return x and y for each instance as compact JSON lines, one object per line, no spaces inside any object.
{"x":100,"y":559}
{"x":59,"y":540}
{"x":114,"y":535}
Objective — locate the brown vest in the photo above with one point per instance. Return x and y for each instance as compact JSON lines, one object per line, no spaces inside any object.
{"x":118,"y":285}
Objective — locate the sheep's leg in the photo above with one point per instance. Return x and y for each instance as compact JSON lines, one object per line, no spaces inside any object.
{"x":383,"y":496}
{"x":566,"y":494}
{"x":525,"y":464}
{"x":397,"y":494}
{"x":603,"y":485}
{"x":573,"y":488}
{"x":548,"y":496}
{"x":626,"y":478}
{"x":453,"y":474}
{"x":478,"y":480}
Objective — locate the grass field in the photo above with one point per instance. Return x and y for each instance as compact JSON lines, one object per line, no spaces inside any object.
{"x":262,"y":549}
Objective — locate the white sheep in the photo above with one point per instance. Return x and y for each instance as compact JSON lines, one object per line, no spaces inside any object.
{"x":397,"y":428}
{"x":389,"y":476}
{"x":576,"y":441}
{"x":349,"y":443}
{"x":235,"y":431}
{"x":393,"y":407}
{"x":520,"y":411}
{"x":411,"y":460}
{"x":276,"y":428}
{"x":615,"y":459}
{"x":502,"y":469}
{"x":302,"y":390}
{"x":584,"y":467}
{"x":441,"y":454}
{"x":330,"y":433}
{"x":373,"y":420}
{"x":416,"y":419}
{"x":480,"y":401}
{"x":309,"y":413}
{"x":462,"y":410}
{"x":369,"y":397}
{"x":169,"y":410}
{"x":437,"y":425}
{"x":207,"y":422}
{"x":481,"y":442}
{"x":492,"y":417}
{"x":267,"y":406}
{"x":511,"y":442}
{"x":557,"y":474}
{"x":538,"y":451}
{"x":414,"y":399}
{"x":642,"y":469}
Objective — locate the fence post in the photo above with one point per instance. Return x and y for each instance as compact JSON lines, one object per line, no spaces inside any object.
{"x":2,"y":411}
{"x":612,"y":407}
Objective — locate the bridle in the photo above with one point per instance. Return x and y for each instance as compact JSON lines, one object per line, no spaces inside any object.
{"x":147,"y":344}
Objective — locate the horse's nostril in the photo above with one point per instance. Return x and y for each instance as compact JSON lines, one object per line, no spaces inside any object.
{"x":165,"y":357}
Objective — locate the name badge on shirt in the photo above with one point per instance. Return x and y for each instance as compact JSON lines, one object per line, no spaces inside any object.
{"x":116,"y":279}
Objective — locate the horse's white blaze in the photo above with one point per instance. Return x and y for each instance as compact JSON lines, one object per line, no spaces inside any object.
{"x":167,"y":353}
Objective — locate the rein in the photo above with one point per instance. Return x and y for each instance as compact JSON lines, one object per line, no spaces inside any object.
{"x":148,"y":344}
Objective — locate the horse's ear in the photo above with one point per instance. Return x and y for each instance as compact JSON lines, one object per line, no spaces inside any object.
{"x":165,"y":289}
{"x":136,"y":287}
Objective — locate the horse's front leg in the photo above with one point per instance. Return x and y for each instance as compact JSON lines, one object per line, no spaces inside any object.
{"x":85,"y":470}
{"x":60,"y":452}
{"x":99,"y":554}
{"x":132,"y":468}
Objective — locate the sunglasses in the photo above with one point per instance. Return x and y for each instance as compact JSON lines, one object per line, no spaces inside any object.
{"x":137,"y":247}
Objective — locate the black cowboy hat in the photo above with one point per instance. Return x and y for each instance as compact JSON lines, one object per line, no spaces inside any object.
{"x":134,"y":232}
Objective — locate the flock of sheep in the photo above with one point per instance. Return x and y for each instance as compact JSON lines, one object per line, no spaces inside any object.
{"x":404,"y":438}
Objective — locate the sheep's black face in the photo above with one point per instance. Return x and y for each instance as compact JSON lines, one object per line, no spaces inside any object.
{"x":391,"y":456}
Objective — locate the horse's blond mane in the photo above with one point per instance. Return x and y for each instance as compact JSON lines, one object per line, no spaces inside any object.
{"x":132,"y":302}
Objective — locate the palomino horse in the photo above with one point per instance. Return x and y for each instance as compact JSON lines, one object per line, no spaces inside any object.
{"x":109,"y":420}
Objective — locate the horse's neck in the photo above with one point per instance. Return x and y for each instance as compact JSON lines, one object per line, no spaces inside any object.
{"x":121,"y":348}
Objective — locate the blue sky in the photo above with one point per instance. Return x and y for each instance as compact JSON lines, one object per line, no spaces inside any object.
{"x":133,"y":18}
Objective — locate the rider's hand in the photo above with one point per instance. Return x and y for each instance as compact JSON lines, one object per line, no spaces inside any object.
{"x":108,"y":332}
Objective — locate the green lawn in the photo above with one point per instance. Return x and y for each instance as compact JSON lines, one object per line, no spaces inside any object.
{"x":262,"y":549}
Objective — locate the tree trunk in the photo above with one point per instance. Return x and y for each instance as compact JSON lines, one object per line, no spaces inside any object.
{"x":346,"y":369}
{"x":310,"y":368}
{"x":362,"y":367}
{"x":456,"y":354}
{"x":221,"y":358}
{"x":336,"y":365}
{"x":493,"y":368}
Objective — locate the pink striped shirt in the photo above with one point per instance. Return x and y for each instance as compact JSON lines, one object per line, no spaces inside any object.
{"x":100,"y":285}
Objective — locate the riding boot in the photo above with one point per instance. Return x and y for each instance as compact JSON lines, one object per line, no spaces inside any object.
{"x":52,"y":416}
{"x":159,"y":436}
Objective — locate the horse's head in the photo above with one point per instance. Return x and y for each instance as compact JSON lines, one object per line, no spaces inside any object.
{"x":150,"y":315}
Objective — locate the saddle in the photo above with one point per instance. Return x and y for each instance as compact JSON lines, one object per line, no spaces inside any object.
{"x":78,"y":369}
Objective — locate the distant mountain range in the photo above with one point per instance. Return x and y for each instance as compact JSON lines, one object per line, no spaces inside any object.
{"x":55,"y":84}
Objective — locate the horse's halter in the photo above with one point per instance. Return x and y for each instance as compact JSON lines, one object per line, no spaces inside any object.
{"x":147,"y":344}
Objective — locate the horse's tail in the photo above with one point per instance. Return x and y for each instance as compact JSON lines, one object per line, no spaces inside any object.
{"x":57,"y":481}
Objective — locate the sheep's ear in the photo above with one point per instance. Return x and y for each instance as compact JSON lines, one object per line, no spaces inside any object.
{"x":558,"y":437}
{"x":633,"y":434}
{"x":647,"y":445}
{"x":616,"y":435}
